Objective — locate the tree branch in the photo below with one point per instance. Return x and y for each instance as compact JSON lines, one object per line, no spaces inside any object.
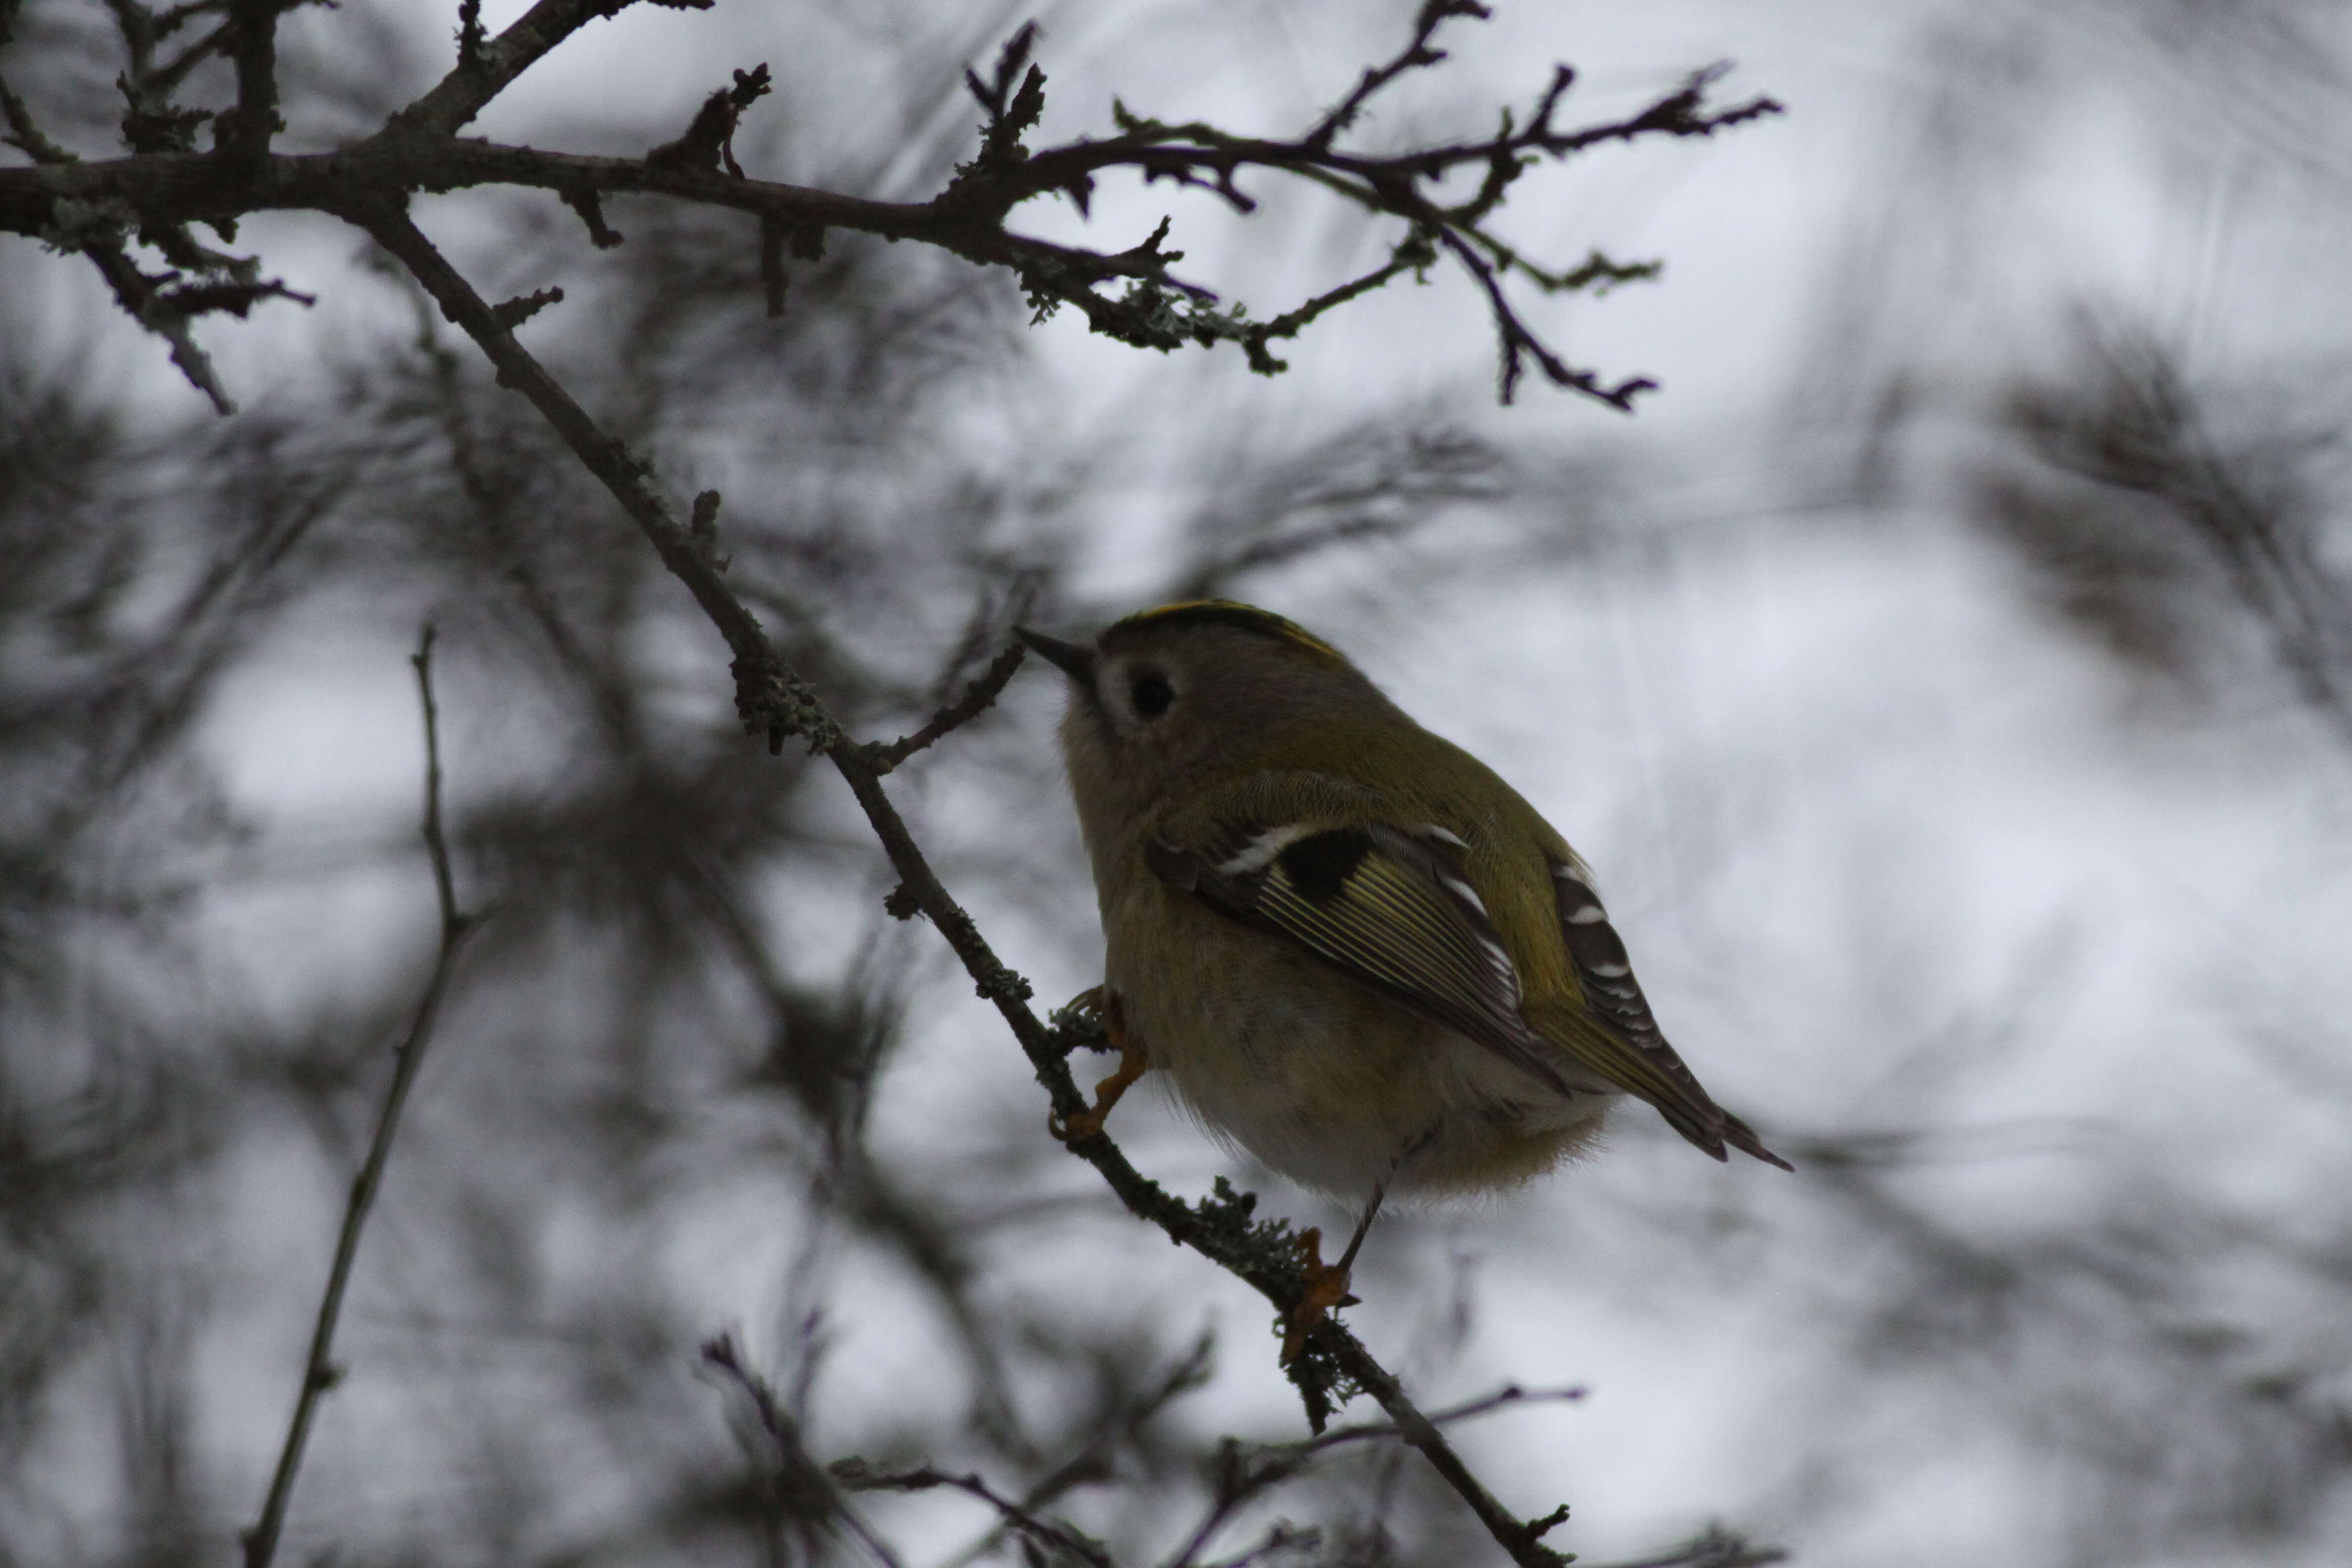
{"x":977,"y":698}
{"x":25,"y":135}
{"x":1505,"y":1398}
{"x":1026,"y":1522}
{"x":1716,"y":1549}
{"x":486,"y":69}
{"x":320,"y":1372}
{"x":417,"y":150}
{"x":1245,"y":1472}
{"x":241,"y":135}
{"x":802,"y":1490}
{"x":1434,"y":14}
{"x":606,"y":457}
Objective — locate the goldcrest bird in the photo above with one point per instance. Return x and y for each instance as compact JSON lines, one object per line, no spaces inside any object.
{"x":1352,"y":948}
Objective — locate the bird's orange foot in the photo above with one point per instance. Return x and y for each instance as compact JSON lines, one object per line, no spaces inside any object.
{"x":1132,"y":1064}
{"x":1327,"y":1287}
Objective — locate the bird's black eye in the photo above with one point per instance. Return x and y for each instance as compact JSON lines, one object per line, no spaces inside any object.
{"x":1151,"y":694}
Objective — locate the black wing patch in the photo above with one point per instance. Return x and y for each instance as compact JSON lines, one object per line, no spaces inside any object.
{"x":1389,"y":907}
{"x":1606,"y":973}
{"x":1615,"y":998}
{"x":1318,"y":865}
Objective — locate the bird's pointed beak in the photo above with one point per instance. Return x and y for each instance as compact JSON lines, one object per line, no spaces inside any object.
{"x":1076,"y":661}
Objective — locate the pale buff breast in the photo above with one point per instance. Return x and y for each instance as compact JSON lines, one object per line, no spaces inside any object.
{"x":1320,"y":1077}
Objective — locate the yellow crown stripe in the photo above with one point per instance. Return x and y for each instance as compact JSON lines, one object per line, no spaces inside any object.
{"x":1230,"y":611}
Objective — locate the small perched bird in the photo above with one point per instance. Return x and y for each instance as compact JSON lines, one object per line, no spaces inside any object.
{"x":1353,"y":949}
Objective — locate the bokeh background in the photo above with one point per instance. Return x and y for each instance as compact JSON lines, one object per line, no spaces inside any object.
{"x":1949,"y":673}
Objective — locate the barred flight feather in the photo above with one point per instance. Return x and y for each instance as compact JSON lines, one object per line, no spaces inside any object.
{"x":1386,"y":906}
{"x":1606,"y":974}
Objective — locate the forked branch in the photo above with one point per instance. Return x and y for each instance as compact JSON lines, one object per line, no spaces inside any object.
{"x":1132,"y":294}
{"x":320,"y":1372}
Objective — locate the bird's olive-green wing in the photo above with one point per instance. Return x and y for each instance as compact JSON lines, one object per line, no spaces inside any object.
{"x":1388,"y":905}
{"x":1632,"y":1050}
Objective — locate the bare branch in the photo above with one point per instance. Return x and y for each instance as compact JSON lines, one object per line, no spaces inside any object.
{"x":241,"y":135}
{"x":1523,"y":1539}
{"x":1412,"y":255}
{"x":589,"y":203}
{"x":162,"y":303}
{"x":486,"y":69}
{"x":320,"y":1372}
{"x":1505,"y":1398}
{"x":1434,"y":14}
{"x":855,"y":1475}
{"x":1716,"y":1549}
{"x":800,"y":1490}
{"x":453,"y":920}
{"x":1091,"y":1460}
{"x":137,"y":294}
{"x":512,"y":314}
{"x":417,"y":150}
{"x":977,"y":698}
{"x":1011,"y":111}
{"x":24,"y":135}
{"x":709,"y":140}
{"x":1246,"y":1471}
{"x":605,"y":456}
{"x":1517,"y":344}
{"x":471,"y":38}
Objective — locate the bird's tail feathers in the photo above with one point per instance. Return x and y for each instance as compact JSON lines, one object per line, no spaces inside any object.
{"x":1658,"y":1076}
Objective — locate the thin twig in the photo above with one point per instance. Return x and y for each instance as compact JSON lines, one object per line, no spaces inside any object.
{"x":133,"y":290}
{"x":856,"y":1476}
{"x":24,"y":135}
{"x":453,"y":920}
{"x":605,"y":456}
{"x":1191,"y":1372}
{"x":1091,"y":1459}
{"x":486,"y":69}
{"x":320,"y":1372}
{"x":1281,"y":1537}
{"x":1523,"y":1539}
{"x":977,"y":698}
{"x":1716,"y":1549}
{"x":242,"y":134}
{"x":1434,"y":14}
{"x":801,"y":1484}
{"x":1245,"y":1471}
{"x":1503,"y":1398}
{"x":418,"y":151}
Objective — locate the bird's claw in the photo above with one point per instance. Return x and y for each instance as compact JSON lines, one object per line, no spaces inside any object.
{"x":1327,"y":1287}
{"x":1132,"y":1064}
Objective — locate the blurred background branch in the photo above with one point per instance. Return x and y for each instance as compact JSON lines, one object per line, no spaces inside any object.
{"x":319,"y":1372}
